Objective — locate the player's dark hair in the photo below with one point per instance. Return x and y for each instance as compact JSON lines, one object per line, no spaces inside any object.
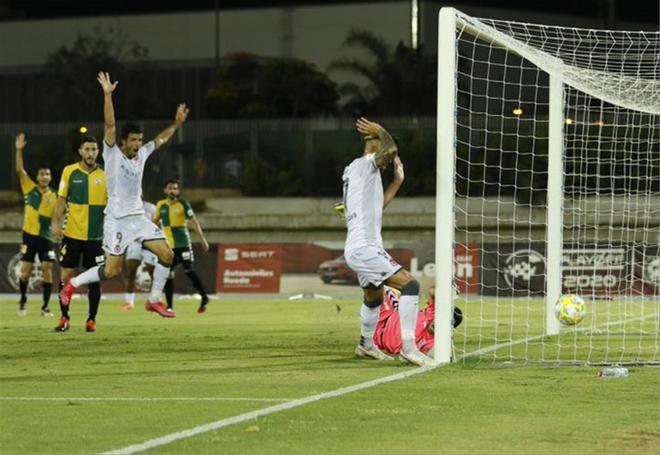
{"x":410,"y":288}
{"x":458,"y":317}
{"x":173,"y":182}
{"x":46,"y":168}
{"x":130,"y":128}
{"x":86,"y":138}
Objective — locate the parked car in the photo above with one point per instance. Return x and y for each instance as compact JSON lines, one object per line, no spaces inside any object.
{"x":336,"y":270}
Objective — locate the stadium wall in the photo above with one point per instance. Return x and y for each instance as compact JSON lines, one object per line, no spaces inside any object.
{"x":291,"y":220}
{"x":312,"y":33}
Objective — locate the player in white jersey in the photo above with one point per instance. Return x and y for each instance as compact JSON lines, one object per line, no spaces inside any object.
{"x":125,"y":221}
{"x":135,"y":255}
{"x":364,"y":201}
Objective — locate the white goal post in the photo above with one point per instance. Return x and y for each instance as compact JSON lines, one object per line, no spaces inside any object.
{"x":548,"y":176}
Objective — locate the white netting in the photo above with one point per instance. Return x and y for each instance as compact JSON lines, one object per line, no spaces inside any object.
{"x":610,"y":196}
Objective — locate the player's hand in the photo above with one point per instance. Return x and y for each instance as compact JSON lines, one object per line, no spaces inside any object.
{"x":367,"y":128}
{"x":20,"y":141}
{"x":205,"y":245}
{"x":181,"y":114}
{"x":107,"y":86}
{"x":399,"y":175}
{"x":57,"y":232}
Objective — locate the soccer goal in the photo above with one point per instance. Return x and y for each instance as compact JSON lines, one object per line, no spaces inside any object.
{"x":548,"y":180}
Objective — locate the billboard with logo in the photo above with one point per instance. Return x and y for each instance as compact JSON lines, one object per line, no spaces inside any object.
{"x":244,"y":267}
{"x":10,"y":269}
{"x":512,"y":270}
{"x":597,"y":269}
{"x":466,"y":267}
{"x":646,"y":270}
{"x":489,"y":269}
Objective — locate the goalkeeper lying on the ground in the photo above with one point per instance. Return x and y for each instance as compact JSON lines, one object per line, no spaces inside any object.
{"x":388,"y":331}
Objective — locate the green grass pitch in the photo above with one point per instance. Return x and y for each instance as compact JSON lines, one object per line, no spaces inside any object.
{"x":247,"y":355}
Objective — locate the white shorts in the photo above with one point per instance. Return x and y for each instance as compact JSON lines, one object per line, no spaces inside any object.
{"x":120,"y":233}
{"x":372,"y":264}
{"x":135,"y":252}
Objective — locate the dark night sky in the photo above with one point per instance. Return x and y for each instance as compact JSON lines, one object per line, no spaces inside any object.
{"x":646,"y":11}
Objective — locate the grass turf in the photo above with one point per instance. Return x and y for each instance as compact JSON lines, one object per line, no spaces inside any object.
{"x":279,"y":350}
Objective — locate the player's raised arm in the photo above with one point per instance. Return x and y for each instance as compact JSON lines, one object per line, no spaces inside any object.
{"x":108,"y":87}
{"x":20,"y":146}
{"x":371,"y":130}
{"x":179,"y":119}
{"x":393,"y":187}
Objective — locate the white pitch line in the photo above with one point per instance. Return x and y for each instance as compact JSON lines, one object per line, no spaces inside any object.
{"x":167,"y":439}
{"x":152,"y":443}
{"x":142,"y":399}
{"x":495,"y":347}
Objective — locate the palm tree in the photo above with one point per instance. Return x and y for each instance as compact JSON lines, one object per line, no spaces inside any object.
{"x":401,"y":81}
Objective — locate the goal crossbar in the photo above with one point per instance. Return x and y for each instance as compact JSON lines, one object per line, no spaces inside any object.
{"x":610,"y":74}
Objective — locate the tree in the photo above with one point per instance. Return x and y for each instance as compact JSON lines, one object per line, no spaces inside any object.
{"x":70,"y":76}
{"x":398,"y":82}
{"x":250,"y":87}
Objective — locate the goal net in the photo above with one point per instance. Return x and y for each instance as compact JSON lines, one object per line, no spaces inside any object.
{"x":549,"y":182}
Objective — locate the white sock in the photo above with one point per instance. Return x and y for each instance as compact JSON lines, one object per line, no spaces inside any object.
{"x":129,"y":298}
{"x":88,"y":276}
{"x":368,"y":322}
{"x":408,"y":315}
{"x":158,"y":283}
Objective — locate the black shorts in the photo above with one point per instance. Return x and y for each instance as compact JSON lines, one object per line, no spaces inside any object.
{"x":33,"y":245}
{"x":183,"y":256}
{"x":74,"y":251}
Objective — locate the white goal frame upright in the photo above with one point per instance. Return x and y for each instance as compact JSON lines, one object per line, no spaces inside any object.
{"x":449,"y":19}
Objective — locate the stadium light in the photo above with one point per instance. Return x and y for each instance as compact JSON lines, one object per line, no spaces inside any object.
{"x":598,"y":123}
{"x":83,"y":129}
{"x":517,"y":111}
{"x":568,"y":121}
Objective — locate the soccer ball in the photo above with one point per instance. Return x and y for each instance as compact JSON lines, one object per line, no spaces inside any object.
{"x":570,"y":309}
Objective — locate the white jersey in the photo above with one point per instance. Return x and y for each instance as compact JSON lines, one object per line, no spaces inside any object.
{"x":149,"y":210}
{"x":124,"y":178}
{"x":363,"y":202}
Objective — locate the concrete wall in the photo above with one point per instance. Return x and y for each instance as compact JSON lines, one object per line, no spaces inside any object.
{"x":312,"y":33}
{"x":411,"y":220}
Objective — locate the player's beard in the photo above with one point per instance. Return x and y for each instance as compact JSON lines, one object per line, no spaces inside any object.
{"x":130,"y":153}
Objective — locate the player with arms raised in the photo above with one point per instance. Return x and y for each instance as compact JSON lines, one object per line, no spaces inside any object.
{"x":37,"y":235}
{"x":125,"y":220}
{"x":364,"y":201}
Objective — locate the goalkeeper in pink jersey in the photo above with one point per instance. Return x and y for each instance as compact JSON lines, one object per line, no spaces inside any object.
{"x":388,"y":331}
